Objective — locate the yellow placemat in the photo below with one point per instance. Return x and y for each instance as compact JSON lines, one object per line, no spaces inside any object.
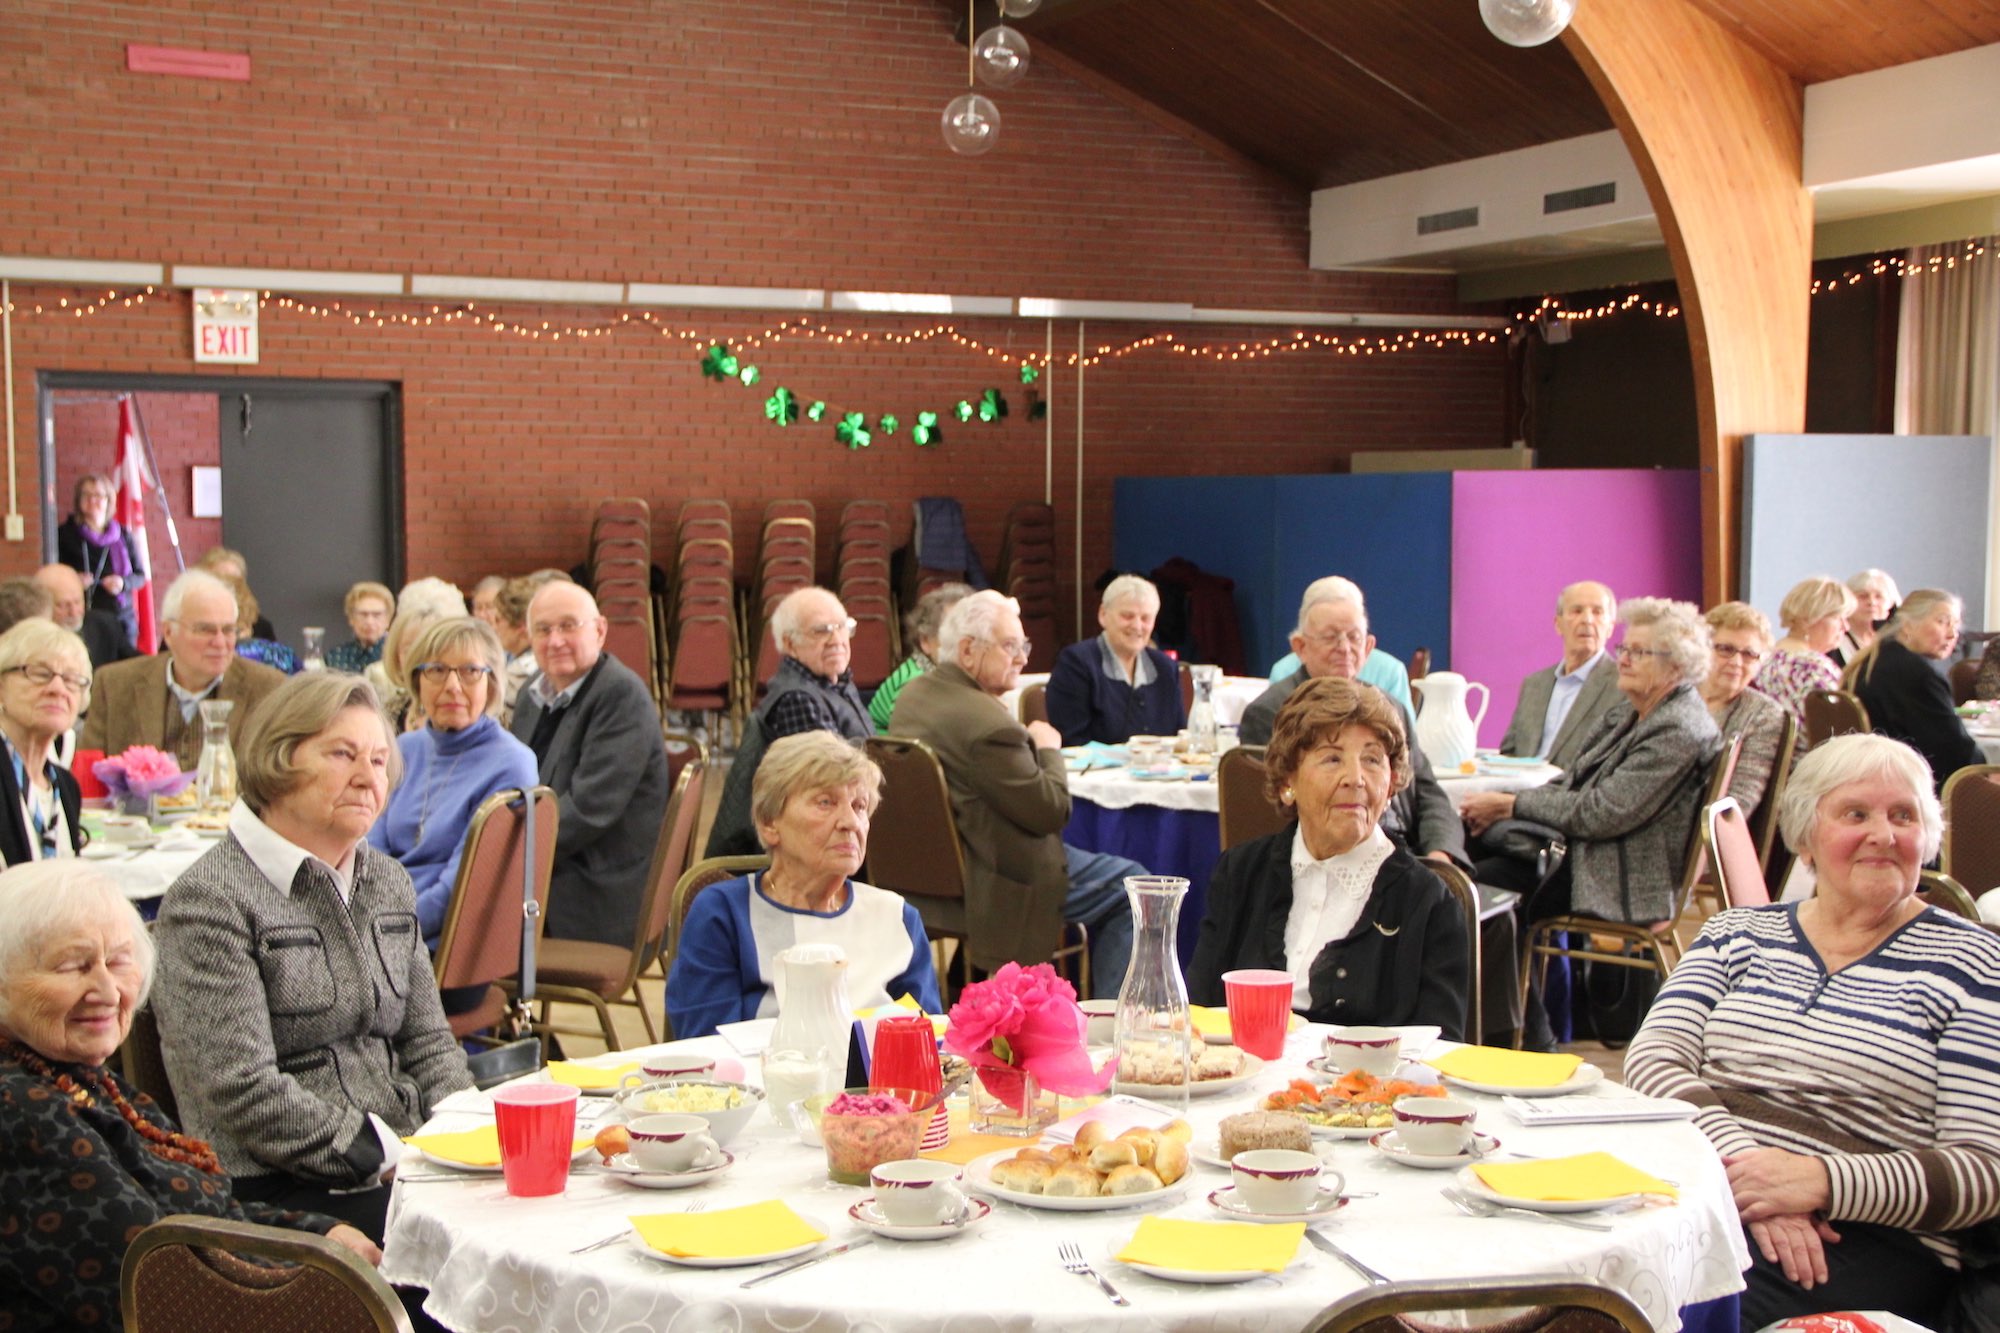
{"x":965,"y":1145}
{"x":1515,"y":1069}
{"x":1215,"y":1022}
{"x":588,"y":1076}
{"x":732,"y":1233}
{"x":1578,"y":1179}
{"x":1213,"y":1247}
{"x":473,"y":1147}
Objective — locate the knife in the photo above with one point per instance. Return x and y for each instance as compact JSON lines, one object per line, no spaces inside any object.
{"x":1323,"y":1243}
{"x":823,"y":1255}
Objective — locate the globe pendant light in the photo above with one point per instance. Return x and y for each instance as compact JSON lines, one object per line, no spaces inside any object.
{"x":1002,"y":56}
{"x":1526,"y":22}
{"x":971,"y":124}
{"x":1018,"y":9}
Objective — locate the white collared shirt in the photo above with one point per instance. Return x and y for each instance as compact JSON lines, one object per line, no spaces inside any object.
{"x":278,"y":858}
{"x":1327,"y":898}
{"x":189,"y":700}
{"x":538,"y":690}
{"x":1562,"y":698}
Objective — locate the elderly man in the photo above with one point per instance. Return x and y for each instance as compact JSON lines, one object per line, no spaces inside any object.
{"x":596,"y":736}
{"x":22,"y":599}
{"x":103,"y":636}
{"x":1010,"y":796}
{"x":154,"y":700}
{"x":1332,"y":639}
{"x":1559,"y":705}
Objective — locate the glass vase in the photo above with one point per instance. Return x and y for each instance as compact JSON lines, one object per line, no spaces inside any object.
{"x":1155,"y":1033}
{"x":1009,"y":1101}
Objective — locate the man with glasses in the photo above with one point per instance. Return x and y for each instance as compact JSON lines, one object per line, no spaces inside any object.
{"x":155,"y":700}
{"x":1010,"y":798}
{"x":596,"y":736}
{"x":1560,"y":705}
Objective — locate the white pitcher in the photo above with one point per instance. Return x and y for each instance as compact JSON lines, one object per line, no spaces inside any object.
{"x":1446,"y":732}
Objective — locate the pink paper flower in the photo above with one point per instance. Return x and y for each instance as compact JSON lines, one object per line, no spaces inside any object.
{"x":145,"y":764}
{"x":141,"y":771}
{"x":1025,"y":1018}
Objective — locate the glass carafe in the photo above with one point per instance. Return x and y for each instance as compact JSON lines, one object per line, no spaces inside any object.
{"x":315,"y":640}
{"x":1201,"y":715}
{"x":1155,"y":1032}
{"x":215,"y":772}
{"x":807,"y":1053}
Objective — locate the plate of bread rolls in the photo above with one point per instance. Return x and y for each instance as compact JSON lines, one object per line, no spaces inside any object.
{"x":1096,"y":1173}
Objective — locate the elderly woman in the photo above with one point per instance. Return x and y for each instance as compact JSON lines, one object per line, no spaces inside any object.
{"x":251,"y":646}
{"x":1738,"y":638}
{"x":298,"y":1011}
{"x":1117,"y":685}
{"x":1626,"y":808}
{"x":486,"y":599}
{"x":368,"y":608}
{"x":1814,"y":614}
{"x":1875,"y":600}
{"x":1368,"y":934}
{"x":458,"y":758}
{"x":812,"y":799}
{"x":1897,"y":683}
{"x":1840,"y":1052}
{"x":921,"y":628}
{"x":92,"y":543}
{"x":227,"y":565}
{"x":44,"y":681}
{"x":420,"y":605}
{"x":87,"y":1160}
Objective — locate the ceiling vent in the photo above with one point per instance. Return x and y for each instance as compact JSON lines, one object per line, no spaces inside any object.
{"x":1586,"y":196}
{"x":1457,"y":219}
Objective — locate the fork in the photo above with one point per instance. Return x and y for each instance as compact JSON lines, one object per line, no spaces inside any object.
{"x":1477,"y":1207}
{"x":617,"y":1236}
{"x":1073,"y":1260}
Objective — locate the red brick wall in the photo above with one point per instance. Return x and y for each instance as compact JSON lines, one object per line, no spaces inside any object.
{"x":781,"y":143}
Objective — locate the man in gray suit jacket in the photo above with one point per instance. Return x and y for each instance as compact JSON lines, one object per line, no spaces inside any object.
{"x":596,"y":737}
{"x":1560,"y":704}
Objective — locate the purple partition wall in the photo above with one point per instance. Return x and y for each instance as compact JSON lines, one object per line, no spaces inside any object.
{"x":1518,"y":537}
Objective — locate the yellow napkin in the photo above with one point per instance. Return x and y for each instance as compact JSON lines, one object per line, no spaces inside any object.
{"x":588,"y":1076}
{"x":1215,"y":1022}
{"x":1584,"y":1177}
{"x":905,"y":1004}
{"x":1516,"y":1069}
{"x":473,"y":1147}
{"x":733,"y":1233}
{"x":1213,"y":1247}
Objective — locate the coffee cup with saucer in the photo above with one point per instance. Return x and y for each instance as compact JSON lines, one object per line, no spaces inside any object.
{"x":1390,"y":1144}
{"x":868,"y":1213}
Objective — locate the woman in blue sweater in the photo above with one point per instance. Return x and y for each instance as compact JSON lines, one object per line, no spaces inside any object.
{"x":1116,"y":686}
{"x":458,"y":758}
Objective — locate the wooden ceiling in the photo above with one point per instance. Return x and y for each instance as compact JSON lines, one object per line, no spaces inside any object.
{"x":1327,"y":92}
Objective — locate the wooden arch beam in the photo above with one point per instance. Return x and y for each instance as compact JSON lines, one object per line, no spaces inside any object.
{"x":1716,"y":130}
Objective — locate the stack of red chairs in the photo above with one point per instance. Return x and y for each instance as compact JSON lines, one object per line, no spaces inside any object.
{"x":787,"y":556}
{"x":621,"y":565}
{"x":865,"y":591}
{"x":1028,"y":573}
{"x":705,"y":648}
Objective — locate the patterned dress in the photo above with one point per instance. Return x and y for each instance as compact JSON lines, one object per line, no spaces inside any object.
{"x":1789,"y":677}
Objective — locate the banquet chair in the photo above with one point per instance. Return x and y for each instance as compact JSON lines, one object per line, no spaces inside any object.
{"x":1764,"y":820}
{"x":1972,"y":827}
{"x":697,"y":510}
{"x":1244,"y":811}
{"x":799,"y":509}
{"x":605,"y":527}
{"x":1034,"y":705}
{"x":140,"y":1061}
{"x":1187,"y":689}
{"x":1830,"y":713}
{"x":1964,"y":681}
{"x":704,"y":664}
{"x":480,"y":942}
{"x":1467,"y":894}
{"x":188,"y":1272}
{"x":702,"y":875}
{"x":873,"y":649}
{"x":1732,"y":854}
{"x":625,"y":507}
{"x":1555,"y":1303}
{"x":1946,"y":894}
{"x":621,"y":548}
{"x":1420,"y":666}
{"x":864,"y":511}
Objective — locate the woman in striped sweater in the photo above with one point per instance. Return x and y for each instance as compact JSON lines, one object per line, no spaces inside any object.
{"x":1844,"y":1052}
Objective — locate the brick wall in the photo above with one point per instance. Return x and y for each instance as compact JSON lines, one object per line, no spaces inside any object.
{"x":781,"y":143}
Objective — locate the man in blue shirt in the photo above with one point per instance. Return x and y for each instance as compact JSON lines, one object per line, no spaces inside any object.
{"x":1560,"y":705}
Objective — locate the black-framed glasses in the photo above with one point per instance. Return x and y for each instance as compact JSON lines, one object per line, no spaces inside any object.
{"x":39,"y":676}
{"x":437,"y":673}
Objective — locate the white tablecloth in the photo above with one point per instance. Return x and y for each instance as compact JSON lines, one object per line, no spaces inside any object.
{"x":1232,"y":695}
{"x":1506,"y":777}
{"x":497,"y":1263}
{"x":1117,"y":789}
{"x":148,"y":874}
{"x":1989,"y":741}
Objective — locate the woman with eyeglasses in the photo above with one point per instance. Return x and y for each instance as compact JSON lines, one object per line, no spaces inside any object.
{"x":1739,"y":636}
{"x":91,"y":542}
{"x":44,"y":681}
{"x":458,"y":758}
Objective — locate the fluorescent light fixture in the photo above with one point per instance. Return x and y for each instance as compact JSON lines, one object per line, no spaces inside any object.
{"x":700,"y":296}
{"x":517,"y":289}
{"x":91,"y":271}
{"x":290,"y":280}
{"x":1043,"y":307}
{"x":1306,"y":319}
{"x":921,"y":303}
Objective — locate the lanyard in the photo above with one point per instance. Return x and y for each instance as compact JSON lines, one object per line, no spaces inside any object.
{"x":39,"y":814}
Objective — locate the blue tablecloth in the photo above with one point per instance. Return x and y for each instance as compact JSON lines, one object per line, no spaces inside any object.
{"x":1167,"y":842}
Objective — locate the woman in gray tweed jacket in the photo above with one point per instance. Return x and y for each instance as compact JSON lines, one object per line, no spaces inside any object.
{"x":298,"y":1012}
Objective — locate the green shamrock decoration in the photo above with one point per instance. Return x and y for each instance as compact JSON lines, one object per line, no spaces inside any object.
{"x":717,"y":363}
{"x":750,"y":375}
{"x":926,"y":430}
{"x":888,"y":424}
{"x":852,"y":431}
{"x":781,"y":407}
{"x":1029,"y":374}
{"x":816,"y":411}
{"x":963,"y":411}
{"x":992,"y":407}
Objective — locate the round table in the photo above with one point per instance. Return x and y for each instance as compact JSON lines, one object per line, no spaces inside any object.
{"x":147,"y":874}
{"x":492,"y":1262}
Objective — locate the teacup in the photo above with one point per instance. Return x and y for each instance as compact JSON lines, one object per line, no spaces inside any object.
{"x":673,"y":1143}
{"x":916,"y":1193}
{"x":1434,"y":1126}
{"x":1102,"y":1027}
{"x":657,"y":1067}
{"x":1280,"y":1180}
{"x":1369,"y":1050}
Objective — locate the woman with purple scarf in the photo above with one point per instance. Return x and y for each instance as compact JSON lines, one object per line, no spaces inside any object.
{"x":91,"y":542}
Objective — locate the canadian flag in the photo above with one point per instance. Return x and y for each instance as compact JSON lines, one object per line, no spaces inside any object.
{"x":133,"y":481}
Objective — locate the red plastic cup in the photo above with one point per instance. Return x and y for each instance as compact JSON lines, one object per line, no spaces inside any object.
{"x":906,"y":1055}
{"x":1260,"y":1008}
{"x":82,"y":767}
{"x":537,"y":1123}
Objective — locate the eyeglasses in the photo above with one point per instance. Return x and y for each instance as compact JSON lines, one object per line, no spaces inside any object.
{"x":1750,"y":656}
{"x":437,"y":673}
{"x":569,"y":629}
{"x":1353,"y":638}
{"x":206,"y":631}
{"x":1626,"y":652}
{"x":1013,"y":647}
{"x":829,"y":629}
{"x":39,"y":676}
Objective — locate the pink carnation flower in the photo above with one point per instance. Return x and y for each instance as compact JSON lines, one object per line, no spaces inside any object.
{"x":1026,"y":1018}
{"x":144,"y":764}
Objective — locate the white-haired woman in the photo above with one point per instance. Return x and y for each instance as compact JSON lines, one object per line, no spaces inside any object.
{"x":85,"y":1159}
{"x":44,"y":682}
{"x":1627,"y":807}
{"x":420,"y":605}
{"x":1875,"y":600}
{"x":369,"y":607}
{"x":812,"y":799}
{"x":1117,"y":685}
{"x":1841,"y":1052}
{"x":921,"y":628}
{"x":1897,"y":681}
{"x":1814,"y":614}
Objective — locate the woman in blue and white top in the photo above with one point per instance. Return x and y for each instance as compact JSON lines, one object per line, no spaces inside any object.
{"x":811,"y":803}
{"x":1842,"y":1052}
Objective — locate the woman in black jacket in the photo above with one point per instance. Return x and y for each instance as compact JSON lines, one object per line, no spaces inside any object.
{"x":1897,"y":681}
{"x":44,"y":683}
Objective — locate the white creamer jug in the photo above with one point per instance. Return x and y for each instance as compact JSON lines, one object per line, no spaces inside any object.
{"x":1446,"y":732}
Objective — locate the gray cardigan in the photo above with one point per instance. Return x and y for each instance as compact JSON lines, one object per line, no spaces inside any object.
{"x":286,"y":1018}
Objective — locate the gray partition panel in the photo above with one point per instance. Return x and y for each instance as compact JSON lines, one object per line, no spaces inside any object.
{"x":1914,"y":505}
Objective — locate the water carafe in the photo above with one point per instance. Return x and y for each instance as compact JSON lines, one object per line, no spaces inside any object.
{"x":215,"y":771}
{"x":807,"y":1053}
{"x":1201,"y":716}
{"x":315,"y":641}
{"x":1155,"y":1034}
{"x":1447,"y":733}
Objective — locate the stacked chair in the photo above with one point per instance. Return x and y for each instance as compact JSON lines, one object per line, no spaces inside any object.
{"x":1028,"y":574}
{"x":705,"y":649}
{"x":621,"y":567}
{"x":787,"y":555}
{"x":866,"y":592}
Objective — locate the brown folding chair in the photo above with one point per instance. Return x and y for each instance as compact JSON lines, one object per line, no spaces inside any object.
{"x":702,"y":875}
{"x":636,"y":549}
{"x":1964,"y":680}
{"x":1830,"y":713}
{"x":187,"y":1272}
{"x":697,"y":510}
{"x":140,"y":1061}
{"x":1771,"y":854}
{"x":1972,"y":827}
{"x":801,"y":528}
{"x":789,"y":570}
{"x":1034,"y":703}
{"x":704,"y":664}
{"x":480,"y":943}
{"x":1947,"y":894}
{"x":625,"y":506}
{"x":864,"y":511}
{"x":1553,"y":1302}
{"x":1467,"y":893}
{"x":1420,"y":665}
{"x":873,"y":651}
{"x":608,"y":527}
{"x":857,"y":567}
{"x":629,"y":638}
{"x":1245,"y":812}
{"x":1042,"y":633}
{"x":1732,"y":853}
{"x":799,"y":509}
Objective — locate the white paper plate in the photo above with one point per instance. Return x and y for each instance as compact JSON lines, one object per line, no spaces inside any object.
{"x":1252,"y":1066}
{"x":865,"y":1214}
{"x":579,"y":1155}
{"x":1228,"y":1201}
{"x":1586,"y":1076}
{"x":979,"y":1176}
{"x":1478,"y":1189}
{"x":628,"y":1172}
{"x":735,"y":1260}
{"x":1195,"y":1275}
{"x":1390,"y":1145}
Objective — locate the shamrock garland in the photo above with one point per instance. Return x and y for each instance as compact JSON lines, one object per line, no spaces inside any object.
{"x":851,"y":428}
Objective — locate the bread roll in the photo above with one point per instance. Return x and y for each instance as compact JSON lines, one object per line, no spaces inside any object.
{"x":1063,"y":1152}
{"x":1170,"y":1161}
{"x":1033,"y":1155}
{"x":1074,"y":1181}
{"x":1110,"y":1156}
{"x":1131,"y":1180}
{"x":1144,"y":1140}
{"x":1023,"y":1177}
{"x":1180,"y":1131}
{"x":1091,"y":1133}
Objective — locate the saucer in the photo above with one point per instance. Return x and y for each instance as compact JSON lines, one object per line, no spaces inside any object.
{"x":623,"y":1167}
{"x":868,"y":1215}
{"x":1390,"y":1145}
{"x":1325,"y":1204}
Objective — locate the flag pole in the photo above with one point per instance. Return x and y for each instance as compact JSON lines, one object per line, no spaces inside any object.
{"x":159,"y":486}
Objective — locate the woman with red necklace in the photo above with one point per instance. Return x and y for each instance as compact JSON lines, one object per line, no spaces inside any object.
{"x":85,"y":1160}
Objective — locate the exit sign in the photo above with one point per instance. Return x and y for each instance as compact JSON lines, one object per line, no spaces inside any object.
{"x":225,"y":326}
